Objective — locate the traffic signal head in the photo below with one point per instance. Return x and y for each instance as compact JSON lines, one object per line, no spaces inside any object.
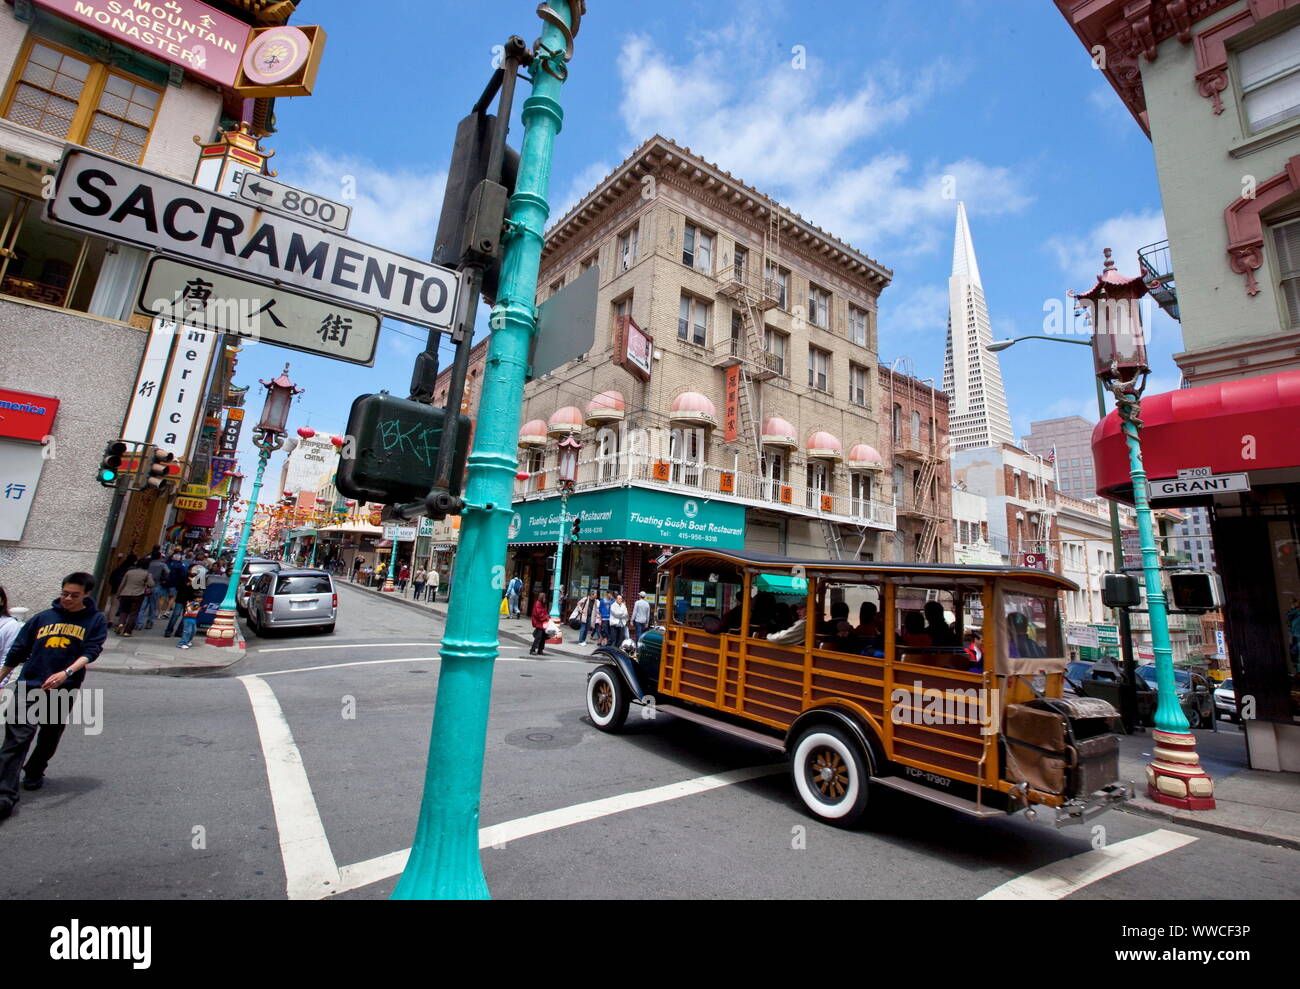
{"x":159,"y":468}
{"x":577,"y":526}
{"x":110,"y":466}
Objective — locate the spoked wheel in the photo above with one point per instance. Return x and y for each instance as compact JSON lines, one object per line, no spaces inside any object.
{"x":607,"y":698}
{"x":830,"y":774}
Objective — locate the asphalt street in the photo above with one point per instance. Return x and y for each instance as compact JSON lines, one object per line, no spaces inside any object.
{"x":299,"y":772}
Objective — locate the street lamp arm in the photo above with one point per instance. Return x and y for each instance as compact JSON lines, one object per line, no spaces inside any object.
{"x":1004,"y":344}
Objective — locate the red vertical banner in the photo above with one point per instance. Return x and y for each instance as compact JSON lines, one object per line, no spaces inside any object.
{"x":732,"y":418}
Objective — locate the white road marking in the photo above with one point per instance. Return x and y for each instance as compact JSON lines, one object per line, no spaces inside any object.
{"x":362,"y":645}
{"x":413,"y":659}
{"x":1060,"y":879}
{"x":309,"y":867}
{"x":385,"y":866}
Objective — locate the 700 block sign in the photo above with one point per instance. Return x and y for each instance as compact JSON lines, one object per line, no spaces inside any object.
{"x":112,"y":199}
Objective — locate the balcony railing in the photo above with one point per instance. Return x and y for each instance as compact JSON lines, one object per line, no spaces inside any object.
{"x":761,"y":364}
{"x":737,"y":279}
{"x":1158,"y":273}
{"x":707,"y":480}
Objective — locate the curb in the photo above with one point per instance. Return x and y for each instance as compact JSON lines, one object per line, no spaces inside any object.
{"x":239,"y":654}
{"x":1145,"y":808}
{"x":441,"y":615}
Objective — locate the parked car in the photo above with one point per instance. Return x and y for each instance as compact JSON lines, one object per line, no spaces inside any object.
{"x":252,"y":569}
{"x":1225,"y":700}
{"x":1194,"y":694}
{"x":294,"y":598}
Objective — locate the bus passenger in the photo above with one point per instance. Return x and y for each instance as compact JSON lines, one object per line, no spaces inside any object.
{"x":914,"y":634}
{"x":868,"y":620}
{"x":1019,"y":643}
{"x":941,"y":633}
{"x":794,"y":635}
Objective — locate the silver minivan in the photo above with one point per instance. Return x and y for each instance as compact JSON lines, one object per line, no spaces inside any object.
{"x":252,"y":569}
{"x":293,"y":599}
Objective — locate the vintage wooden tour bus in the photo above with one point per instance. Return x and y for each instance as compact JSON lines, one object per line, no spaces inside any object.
{"x":943,"y":681}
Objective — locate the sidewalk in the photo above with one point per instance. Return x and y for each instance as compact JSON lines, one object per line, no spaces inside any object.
{"x":1252,"y":804}
{"x":511,"y":629}
{"x":147,"y":651}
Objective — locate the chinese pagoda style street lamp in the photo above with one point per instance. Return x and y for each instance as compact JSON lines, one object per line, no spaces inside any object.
{"x":1174,"y":776}
{"x":567,"y":476}
{"x":268,"y":436}
{"x":1128,"y":687}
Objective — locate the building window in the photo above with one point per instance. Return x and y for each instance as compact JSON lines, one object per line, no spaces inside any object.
{"x":898,"y":423}
{"x":816,"y":485}
{"x":1270,"y":79}
{"x":626,"y":253}
{"x":857,"y":385}
{"x":536,"y":463}
{"x":84,"y":102}
{"x":686,"y":451}
{"x":916,"y":429}
{"x":622,"y":308}
{"x":774,"y":473}
{"x":857,"y":326}
{"x":778,"y":283}
{"x":693,"y":321}
{"x":819,"y":306}
{"x":742,"y":263}
{"x":556,"y":286}
{"x":777,"y":344}
{"x":589,"y":263}
{"x":697,"y":249}
{"x":819,"y":369}
{"x":607,"y":453}
{"x":40,"y":262}
{"x":1286,"y":239}
{"x":860,"y":494}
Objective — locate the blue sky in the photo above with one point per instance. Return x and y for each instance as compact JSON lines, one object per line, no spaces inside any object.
{"x":862,"y":116}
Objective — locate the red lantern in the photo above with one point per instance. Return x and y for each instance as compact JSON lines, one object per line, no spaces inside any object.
{"x":337,"y":441}
{"x":306,"y":432}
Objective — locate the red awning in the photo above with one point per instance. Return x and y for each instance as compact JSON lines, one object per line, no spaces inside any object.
{"x":1235,"y":426}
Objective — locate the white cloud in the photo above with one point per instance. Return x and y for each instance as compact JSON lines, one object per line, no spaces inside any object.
{"x":581,"y":184}
{"x":1080,"y":256}
{"x":922,"y":310}
{"x":796,"y":133}
{"x":395,"y":210}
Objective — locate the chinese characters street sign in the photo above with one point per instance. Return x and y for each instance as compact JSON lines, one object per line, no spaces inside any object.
{"x":216,"y":300}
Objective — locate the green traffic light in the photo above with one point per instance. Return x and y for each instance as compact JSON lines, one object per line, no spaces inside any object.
{"x":107,"y":476}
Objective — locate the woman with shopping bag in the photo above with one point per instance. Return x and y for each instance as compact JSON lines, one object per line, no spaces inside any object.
{"x":541,"y":622}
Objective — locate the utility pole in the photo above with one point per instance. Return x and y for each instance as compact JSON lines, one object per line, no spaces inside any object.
{"x":444,"y":861}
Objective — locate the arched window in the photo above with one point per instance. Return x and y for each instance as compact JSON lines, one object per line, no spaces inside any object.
{"x":916,"y":428}
{"x":898,"y":422}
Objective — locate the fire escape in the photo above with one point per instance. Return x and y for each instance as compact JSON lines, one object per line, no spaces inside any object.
{"x":923,"y":504}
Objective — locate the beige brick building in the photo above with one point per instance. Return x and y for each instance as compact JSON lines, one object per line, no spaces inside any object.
{"x":756,"y":390}
{"x":915,"y":444}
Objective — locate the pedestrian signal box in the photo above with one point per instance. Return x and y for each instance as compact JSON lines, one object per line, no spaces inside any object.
{"x":1120,"y":590}
{"x":394,"y":450}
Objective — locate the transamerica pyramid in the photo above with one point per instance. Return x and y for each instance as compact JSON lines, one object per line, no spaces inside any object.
{"x":972,"y":376}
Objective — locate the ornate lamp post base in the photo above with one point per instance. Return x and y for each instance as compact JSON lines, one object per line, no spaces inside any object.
{"x":1175,"y":776}
{"x":223,"y":631}
{"x":389,"y":587}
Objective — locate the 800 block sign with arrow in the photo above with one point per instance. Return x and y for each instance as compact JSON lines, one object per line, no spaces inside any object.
{"x":277,"y":197}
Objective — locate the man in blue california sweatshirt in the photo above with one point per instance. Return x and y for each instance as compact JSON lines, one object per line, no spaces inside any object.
{"x":54,"y":647}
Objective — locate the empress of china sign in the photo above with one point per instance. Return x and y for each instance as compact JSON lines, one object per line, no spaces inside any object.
{"x":187,"y":33}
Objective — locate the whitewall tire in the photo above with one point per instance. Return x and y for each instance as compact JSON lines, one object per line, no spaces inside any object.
{"x":607,"y":698}
{"x":830,"y":774}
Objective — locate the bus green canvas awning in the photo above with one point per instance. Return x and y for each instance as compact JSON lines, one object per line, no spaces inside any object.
{"x":782,"y":584}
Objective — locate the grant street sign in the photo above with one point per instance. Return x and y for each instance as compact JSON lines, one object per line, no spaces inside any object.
{"x":1197,"y":486}
{"x":112,"y":199}
{"x":269,"y":194}
{"x":216,"y":300}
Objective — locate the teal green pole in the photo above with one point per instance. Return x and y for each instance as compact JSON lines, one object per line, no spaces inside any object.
{"x":444,"y":861}
{"x":1169,"y":713}
{"x":559,"y":557}
{"x":222,"y":630}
